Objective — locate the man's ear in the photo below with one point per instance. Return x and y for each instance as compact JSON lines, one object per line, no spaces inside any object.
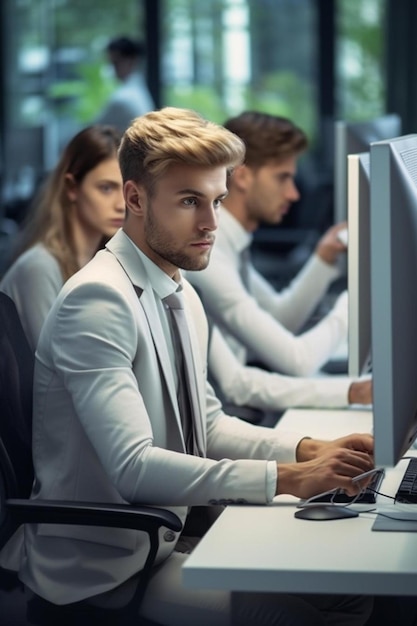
{"x":242,"y":177}
{"x":135,"y":197}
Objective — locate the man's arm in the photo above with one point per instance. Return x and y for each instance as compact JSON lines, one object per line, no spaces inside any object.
{"x":256,"y":387}
{"x":229,"y":304}
{"x":293,"y":305}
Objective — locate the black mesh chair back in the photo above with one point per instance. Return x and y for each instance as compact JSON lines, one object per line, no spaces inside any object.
{"x":16,"y":382}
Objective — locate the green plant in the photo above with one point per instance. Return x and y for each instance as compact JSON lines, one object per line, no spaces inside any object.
{"x":82,"y":98}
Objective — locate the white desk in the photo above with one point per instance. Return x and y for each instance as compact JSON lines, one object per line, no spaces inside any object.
{"x":264,"y":548}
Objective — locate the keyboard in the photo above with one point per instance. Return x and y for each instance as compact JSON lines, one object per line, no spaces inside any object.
{"x":407,"y":491}
{"x":366,"y":497}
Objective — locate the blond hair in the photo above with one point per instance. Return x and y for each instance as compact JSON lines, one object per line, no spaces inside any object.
{"x":161,"y":138}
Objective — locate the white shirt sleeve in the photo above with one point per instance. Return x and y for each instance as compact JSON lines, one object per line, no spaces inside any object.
{"x":271,"y":480}
{"x":240,"y":314}
{"x":293,"y":305}
{"x":265,"y":390}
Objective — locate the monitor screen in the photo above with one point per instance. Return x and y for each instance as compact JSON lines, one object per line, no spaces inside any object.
{"x":394,"y":296}
{"x":352,"y":138}
{"x":359,"y":264}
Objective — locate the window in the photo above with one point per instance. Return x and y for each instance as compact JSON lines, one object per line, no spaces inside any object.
{"x":224,"y":56}
{"x":56,"y":78}
{"x":360,"y":70}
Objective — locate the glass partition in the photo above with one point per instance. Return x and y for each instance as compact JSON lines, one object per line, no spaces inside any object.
{"x":57,"y":78}
{"x":224,"y":56}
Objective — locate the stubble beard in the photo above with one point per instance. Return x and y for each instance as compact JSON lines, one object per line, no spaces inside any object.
{"x":161,"y":244}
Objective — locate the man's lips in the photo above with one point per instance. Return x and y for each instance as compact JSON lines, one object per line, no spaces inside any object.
{"x":205,"y":243}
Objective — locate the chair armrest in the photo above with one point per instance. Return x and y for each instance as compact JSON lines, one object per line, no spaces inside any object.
{"x":92,"y":514}
{"x":146,"y":518}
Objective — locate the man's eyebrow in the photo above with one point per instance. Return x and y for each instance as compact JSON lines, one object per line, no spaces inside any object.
{"x":189,"y":191}
{"x":195,"y":192}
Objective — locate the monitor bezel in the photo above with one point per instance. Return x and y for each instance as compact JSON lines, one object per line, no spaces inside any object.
{"x":393,"y":298}
{"x":359,"y":264}
{"x":352,"y":138}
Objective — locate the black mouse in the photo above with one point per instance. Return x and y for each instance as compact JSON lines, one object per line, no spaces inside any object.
{"x":321,"y":513}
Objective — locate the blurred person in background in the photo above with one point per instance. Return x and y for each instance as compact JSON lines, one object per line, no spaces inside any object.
{"x":77,"y":209}
{"x":132,"y":98}
{"x":261,"y":324}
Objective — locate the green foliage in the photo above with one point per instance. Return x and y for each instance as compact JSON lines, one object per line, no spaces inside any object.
{"x":83,"y":98}
{"x":200,"y":98}
{"x":285,"y":94}
{"x":81,"y":23}
{"x":280,"y":93}
{"x":361,"y":84}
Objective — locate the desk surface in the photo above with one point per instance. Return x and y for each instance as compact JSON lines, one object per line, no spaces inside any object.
{"x":264,"y":548}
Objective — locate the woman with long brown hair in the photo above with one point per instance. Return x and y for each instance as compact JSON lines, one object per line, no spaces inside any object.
{"x":77,"y":209}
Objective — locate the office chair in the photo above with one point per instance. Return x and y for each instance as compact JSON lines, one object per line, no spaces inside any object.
{"x":16,"y":478}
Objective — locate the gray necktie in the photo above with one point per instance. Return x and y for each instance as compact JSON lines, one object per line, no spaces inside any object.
{"x":187,"y":384}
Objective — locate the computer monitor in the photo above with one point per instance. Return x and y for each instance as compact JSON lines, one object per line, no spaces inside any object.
{"x":394,"y":296}
{"x":359,"y":264}
{"x":353,"y":138}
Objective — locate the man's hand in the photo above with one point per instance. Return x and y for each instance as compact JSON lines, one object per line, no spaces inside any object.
{"x":360,"y":392}
{"x":324,"y":465}
{"x":312,"y":448}
{"x":330,"y":247}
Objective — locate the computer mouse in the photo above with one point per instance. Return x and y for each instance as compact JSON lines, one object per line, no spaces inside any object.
{"x":320,"y":513}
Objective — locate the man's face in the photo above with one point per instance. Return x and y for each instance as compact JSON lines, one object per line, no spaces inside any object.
{"x":271,"y":191}
{"x":122,"y":66}
{"x":175,"y":226}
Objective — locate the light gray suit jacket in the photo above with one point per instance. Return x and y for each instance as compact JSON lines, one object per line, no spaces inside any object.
{"x":106,"y":427}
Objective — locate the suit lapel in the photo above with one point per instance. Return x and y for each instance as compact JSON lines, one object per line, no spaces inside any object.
{"x":124,"y":250}
{"x":159,"y":342}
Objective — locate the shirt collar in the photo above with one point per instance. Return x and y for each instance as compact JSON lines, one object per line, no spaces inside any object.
{"x":161,"y":283}
{"x":239,"y":238}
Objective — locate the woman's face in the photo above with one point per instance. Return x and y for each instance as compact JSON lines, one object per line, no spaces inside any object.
{"x":98,"y":199}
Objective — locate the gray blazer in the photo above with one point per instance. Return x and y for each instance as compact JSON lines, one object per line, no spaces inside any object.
{"x":106,"y":427}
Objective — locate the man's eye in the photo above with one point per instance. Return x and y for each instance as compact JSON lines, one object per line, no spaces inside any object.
{"x":105,"y":188}
{"x":190,"y":201}
{"x":285,"y":178}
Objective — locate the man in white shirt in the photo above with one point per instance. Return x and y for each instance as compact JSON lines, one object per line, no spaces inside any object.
{"x":108,"y":424}
{"x":258,"y":322}
{"x":132,"y":98}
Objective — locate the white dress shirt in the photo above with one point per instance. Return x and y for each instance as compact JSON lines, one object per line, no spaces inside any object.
{"x":261,"y":323}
